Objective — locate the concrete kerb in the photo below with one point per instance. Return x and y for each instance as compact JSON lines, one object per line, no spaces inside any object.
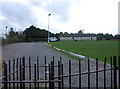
{"x":71,"y":53}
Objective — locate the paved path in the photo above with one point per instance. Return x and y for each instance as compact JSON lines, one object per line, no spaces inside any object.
{"x":39,"y":49}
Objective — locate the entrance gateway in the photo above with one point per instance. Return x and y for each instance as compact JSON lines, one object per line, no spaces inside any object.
{"x":21,"y":74}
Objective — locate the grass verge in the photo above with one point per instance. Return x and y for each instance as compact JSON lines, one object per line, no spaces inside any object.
{"x":91,"y":49}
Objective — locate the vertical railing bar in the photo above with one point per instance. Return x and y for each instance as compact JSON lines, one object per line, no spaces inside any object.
{"x":60,"y":65}
{"x":49,"y":77}
{"x":23,"y":64}
{"x":61,"y":84}
{"x":20,"y":74}
{"x":35,"y":75}
{"x":62,"y":78}
{"x":59,"y":87}
{"x":61,"y":71}
{"x":52,"y":74}
{"x":17,"y":72}
{"x":79,"y":74}
{"x":88,"y":74}
{"x":53,"y":59}
{"x":119,"y":70}
{"x":69,"y":74}
{"x":115,"y":73}
{"x":38,"y":70}
{"x":29,"y":72}
{"x":5,"y":74}
{"x":20,"y":61}
{"x":9,"y":73}
{"x":13,"y":73}
{"x":96,"y":73}
{"x":111,"y":72}
{"x":53,"y":64}
{"x":105,"y":73}
{"x":45,"y":73}
{"x":61,"y":59}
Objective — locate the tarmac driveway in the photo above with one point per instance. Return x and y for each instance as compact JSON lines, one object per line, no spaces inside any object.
{"x":39,"y":49}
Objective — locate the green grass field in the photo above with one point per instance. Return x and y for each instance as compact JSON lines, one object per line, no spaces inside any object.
{"x":92,"y":49}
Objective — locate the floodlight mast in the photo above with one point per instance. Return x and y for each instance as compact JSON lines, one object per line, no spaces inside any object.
{"x":48,"y":27}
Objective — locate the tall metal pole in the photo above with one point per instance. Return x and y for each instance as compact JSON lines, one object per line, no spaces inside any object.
{"x":48,"y":26}
{"x":6,"y":30}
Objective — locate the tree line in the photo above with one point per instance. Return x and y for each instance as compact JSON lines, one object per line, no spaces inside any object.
{"x":33,"y":33}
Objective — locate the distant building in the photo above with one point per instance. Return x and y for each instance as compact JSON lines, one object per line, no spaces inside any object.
{"x":77,"y":37}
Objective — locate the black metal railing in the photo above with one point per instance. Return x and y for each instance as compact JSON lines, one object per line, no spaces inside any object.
{"x":16,"y":77}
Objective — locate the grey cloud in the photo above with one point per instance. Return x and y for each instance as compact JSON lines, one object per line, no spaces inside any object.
{"x":57,"y":8}
{"x":37,"y":4}
{"x":17,"y":13}
{"x":61,"y":9}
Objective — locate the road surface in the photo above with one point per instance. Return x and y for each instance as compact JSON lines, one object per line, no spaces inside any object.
{"x":39,"y":49}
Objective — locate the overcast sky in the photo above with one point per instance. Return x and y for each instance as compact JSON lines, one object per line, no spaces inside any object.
{"x":94,"y":16}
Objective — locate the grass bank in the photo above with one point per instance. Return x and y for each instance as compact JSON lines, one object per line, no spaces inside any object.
{"x":92,"y":49}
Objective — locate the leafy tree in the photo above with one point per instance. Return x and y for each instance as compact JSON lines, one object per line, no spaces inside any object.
{"x":80,"y":32}
{"x":11,"y":33}
{"x":66,"y":33}
{"x":14,"y":36}
{"x":30,"y":32}
{"x":100,"y":36}
{"x":108,"y":36}
{"x":35,"y":34}
{"x":61,"y":33}
{"x":117,"y":36}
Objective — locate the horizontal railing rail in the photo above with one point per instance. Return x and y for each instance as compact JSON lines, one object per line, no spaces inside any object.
{"x":37,"y":81}
{"x":76,"y":74}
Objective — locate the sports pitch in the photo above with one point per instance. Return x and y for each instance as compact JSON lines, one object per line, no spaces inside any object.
{"x":92,"y":49}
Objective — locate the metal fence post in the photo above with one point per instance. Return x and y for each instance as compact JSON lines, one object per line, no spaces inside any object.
{"x":9,"y":74}
{"x":17,"y":71}
{"x":88,"y":73}
{"x":105,"y":73}
{"x":119,"y":70}
{"x":60,"y":65}
{"x":35,"y":75}
{"x":20,"y":74}
{"x":111,"y":72}
{"x":62,"y":78}
{"x":52,"y":74}
{"x":96,"y":73}
{"x":59,"y":74}
{"x":115,"y":74}
{"x":38,"y":70}
{"x":79,"y":74}
{"x":69,"y":74}
{"x":13,"y":73}
{"x":5,"y":75}
{"x":29,"y":72}
{"x":23,"y":63}
{"x":49,"y":77}
{"x":45,"y":73}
